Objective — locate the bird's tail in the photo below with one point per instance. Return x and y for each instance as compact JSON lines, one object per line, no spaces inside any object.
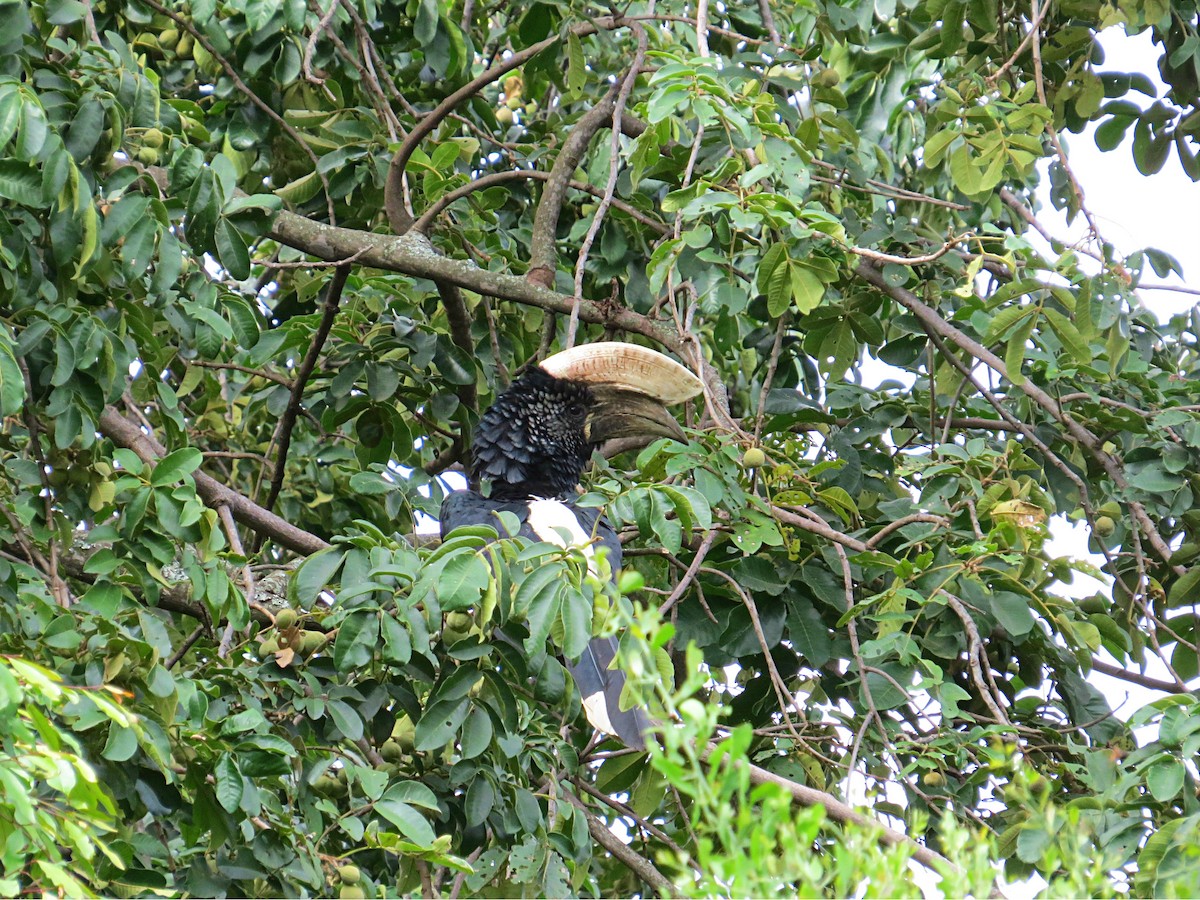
{"x":600,"y":687}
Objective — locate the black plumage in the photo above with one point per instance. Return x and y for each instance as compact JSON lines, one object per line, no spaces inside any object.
{"x":531,"y":447}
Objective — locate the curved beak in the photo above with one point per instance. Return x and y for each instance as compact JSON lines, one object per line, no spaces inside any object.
{"x":622,"y":413}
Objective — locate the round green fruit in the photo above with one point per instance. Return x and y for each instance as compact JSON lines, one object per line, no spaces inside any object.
{"x":311,"y":641}
{"x":352,"y":892}
{"x":753,"y":458}
{"x":504,"y":115}
{"x":285,"y":618}
{"x":1105,"y":525}
{"x":391,"y":751}
{"x":349,"y":874}
{"x":404,"y":733}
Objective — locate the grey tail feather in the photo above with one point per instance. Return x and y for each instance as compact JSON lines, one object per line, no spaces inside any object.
{"x":600,"y":688}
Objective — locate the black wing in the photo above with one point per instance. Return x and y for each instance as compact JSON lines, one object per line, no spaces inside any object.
{"x":599,"y":685}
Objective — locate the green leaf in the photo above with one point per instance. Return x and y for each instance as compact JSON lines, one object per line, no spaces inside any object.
{"x":439,"y":724}
{"x":807,"y":288}
{"x":1016,"y":351}
{"x":1186,"y":589}
{"x":409,"y":821}
{"x":1165,"y":778}
{"x":463,"y":580}
{"x":576,"y":64}
{"x":174,"y":467}
{"x":231,"y":250}
{"x":1069,"y":335}
{"x":347,"y":720}
{"x":20,"y":182}
{"x":476,"y":734}
{"x":229,"y":785}
{"x":936,"y":146}
{"x":481,"y":797}
{"x":356,"y":640}
{"x":967,"y":178}
{"x":12,"y":382}
{"x":121,"y":744}
{"x":10,"y":112}
{"x":314,"y":574}
{"x":1012,"y":611}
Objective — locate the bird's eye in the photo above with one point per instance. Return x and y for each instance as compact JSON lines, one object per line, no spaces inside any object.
{"x":576,"y":409}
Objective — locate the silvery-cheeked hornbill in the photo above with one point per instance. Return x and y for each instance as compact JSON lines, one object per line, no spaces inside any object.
{"x":531,"y":446}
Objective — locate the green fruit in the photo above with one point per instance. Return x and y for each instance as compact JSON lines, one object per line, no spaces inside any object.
{"x":349,"y":874}
{"x":152,"y":138}
{"x":459,"y":621}
{"x":1105,"y":526}
{"x":753,"y":458}
{"x":404,"y":733}
{"x":168,"y":38}
{"x":933,"y":779}
{"x":268,"y":647}
{"x":531,"y":107}
{"x":330,"y":787}
{"x":311,"y":641}
{"x":285,"y":618}
{"x":147,"y":156}
{"x":514,"y":103}
{"x":391,"y":751}
{"x":504,"y":115}
{"x":352,"y":892}
{"x":826,"y":78}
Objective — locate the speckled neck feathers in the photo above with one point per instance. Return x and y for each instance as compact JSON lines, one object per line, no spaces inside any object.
{"x":532,"y":441}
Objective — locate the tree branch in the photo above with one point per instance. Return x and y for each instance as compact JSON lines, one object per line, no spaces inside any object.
{"x":937,"y":325}
{"x":425,"y":222}
{"x":287,"y":422}
{"x":639,"y":865}
{"x":842,"y":813}
{"x":543,"y":260}
{"x":412,"y":254}
{"x":129,"y":435}
{"x":393,"y":205}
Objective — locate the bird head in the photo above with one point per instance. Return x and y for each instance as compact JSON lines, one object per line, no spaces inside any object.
{"x":535,"y":439}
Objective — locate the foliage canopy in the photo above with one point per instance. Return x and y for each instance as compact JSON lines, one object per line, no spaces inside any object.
{"x":262,"y":266}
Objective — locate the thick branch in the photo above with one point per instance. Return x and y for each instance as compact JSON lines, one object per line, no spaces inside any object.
{"x":125,"y":433}
{"x":1148,"y":681}
{"x":412,"y":254}
{"x":639,"y":865}
{"x":543,"y":261}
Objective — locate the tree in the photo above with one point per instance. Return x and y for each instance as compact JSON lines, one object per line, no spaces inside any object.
{"x":264,"y":265}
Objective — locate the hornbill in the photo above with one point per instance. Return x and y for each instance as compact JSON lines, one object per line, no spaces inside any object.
{"x":531,"y":446}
